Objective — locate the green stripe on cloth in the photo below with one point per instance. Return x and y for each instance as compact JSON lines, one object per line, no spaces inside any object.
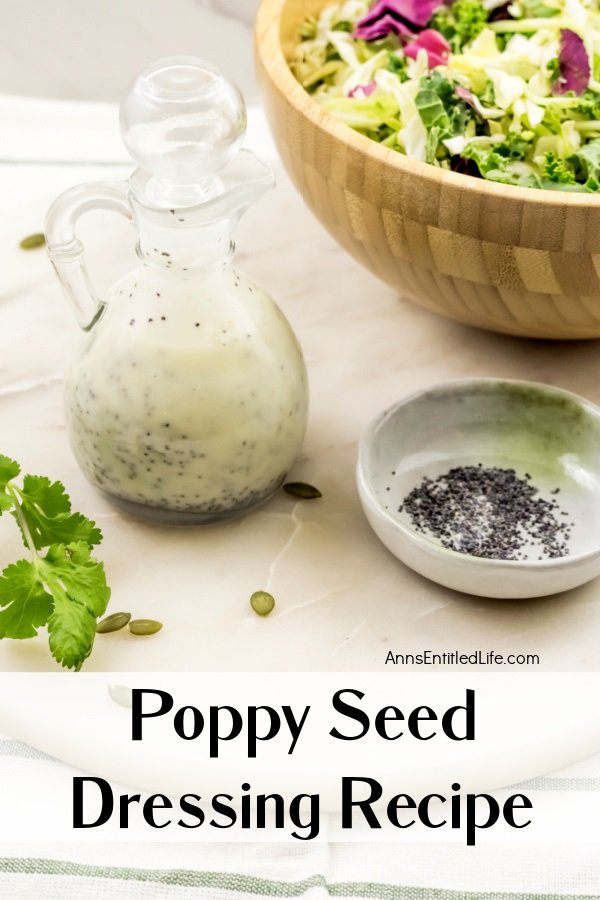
{"x":249,"y":885}
{"x":19,"y":750}
{"x":560,"y":783}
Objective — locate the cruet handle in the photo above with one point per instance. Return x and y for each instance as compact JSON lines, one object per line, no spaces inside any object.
{"x":66,"y":250}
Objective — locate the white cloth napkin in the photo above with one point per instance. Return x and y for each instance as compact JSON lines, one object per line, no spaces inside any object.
{"x":308,"y":870}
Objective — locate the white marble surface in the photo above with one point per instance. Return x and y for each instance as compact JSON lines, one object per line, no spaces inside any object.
{"x":342,"y":600}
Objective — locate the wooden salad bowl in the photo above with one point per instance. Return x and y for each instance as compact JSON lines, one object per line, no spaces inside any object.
{"x":511,"y":259}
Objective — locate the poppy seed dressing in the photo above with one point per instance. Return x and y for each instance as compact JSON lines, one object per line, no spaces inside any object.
{"x":190,"y":398}
{"x":490,"y":513}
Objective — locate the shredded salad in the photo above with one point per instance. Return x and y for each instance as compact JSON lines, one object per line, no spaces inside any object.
{"x":509,"y":92}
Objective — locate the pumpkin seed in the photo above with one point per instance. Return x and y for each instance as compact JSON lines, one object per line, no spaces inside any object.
{"x":262,"y":603}
{"x":32,"y":241}
{"x":144,"y":626}
{"x":114,"y":622}
{"x":302,"y":491}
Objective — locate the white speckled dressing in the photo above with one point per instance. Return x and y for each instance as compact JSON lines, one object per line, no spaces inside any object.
{"x":188,"y":402}
{"x":190,"y":394}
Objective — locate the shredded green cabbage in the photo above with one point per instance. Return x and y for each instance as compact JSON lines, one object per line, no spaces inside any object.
{"x":512,"y":96}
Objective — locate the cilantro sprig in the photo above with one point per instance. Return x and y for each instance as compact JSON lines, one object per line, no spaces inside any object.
{"x":61,"y":586}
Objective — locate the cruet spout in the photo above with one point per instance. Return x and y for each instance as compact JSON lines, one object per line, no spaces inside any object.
{"x":242,"y":183}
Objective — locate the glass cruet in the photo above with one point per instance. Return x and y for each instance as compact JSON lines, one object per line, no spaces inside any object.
{"x":188,"y":400}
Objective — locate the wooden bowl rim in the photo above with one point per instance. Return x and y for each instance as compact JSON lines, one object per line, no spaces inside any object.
{"x":270,"y":53}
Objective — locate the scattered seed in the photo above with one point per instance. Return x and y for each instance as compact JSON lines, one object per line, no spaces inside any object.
{"x":114,"y":622}
{"x":144,"y":626}
{"x":32,"y":241}
{"x":262,"y":603}
{"x":302,"y":491}
{"x":488,"y":512}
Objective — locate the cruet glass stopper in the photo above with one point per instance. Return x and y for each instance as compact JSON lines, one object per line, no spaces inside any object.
{"x":182,"y":122}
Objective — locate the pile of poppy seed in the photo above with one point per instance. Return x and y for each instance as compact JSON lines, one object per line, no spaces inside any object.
{"x":489,"y":512}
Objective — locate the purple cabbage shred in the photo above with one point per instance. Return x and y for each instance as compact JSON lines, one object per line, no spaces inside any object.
{"x":365,"y":89}
{"x":401,"y":17}
{"x":435,"y":45}
{"x":574,"y":64}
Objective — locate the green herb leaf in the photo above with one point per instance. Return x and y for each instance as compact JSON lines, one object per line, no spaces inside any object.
{"x":46,"y":509}
{"x":71,"y":632}
{"x":26,"y":605}
{"x":66,"y":589}
{"x":72,"y":568}
{"x":9,"y":469}
{"x":78,"y":586}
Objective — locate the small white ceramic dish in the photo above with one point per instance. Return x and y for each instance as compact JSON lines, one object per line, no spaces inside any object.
{"x":551,"y":434}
